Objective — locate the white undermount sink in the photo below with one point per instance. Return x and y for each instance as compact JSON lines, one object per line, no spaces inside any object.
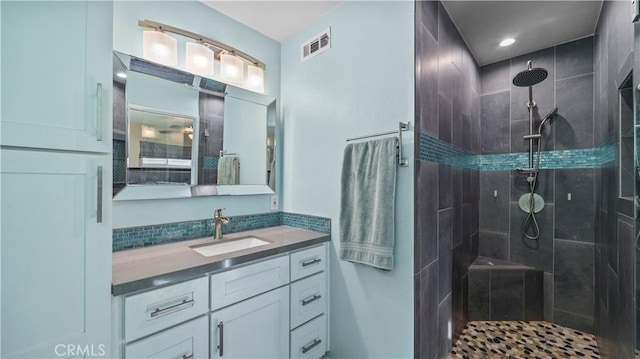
{"x":222,"y":247}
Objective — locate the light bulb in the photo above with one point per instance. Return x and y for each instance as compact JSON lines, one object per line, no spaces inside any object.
{"x":507,"y":42}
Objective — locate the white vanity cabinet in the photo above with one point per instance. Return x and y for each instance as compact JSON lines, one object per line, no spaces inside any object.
{"x":253,"y":310}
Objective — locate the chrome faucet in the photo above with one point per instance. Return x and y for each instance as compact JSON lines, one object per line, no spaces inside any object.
{"x":219,"y":220}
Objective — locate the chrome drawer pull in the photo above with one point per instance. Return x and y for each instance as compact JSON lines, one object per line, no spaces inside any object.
{"x":311,"y":262}
{"x":221,"y":338}
{"x":99,"y":201}
{"x":190,"y":356}
{"x":310,"y":346}
{"x":99,"y":111}
{"x":311,"y":299}
{"x":173,"y":308}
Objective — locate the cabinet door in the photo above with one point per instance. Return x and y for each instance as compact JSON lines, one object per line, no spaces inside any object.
{"x":255,"y":328}
{"x":56,"y":74}
{"x":56,"y":254}
{"x":188,"y":340}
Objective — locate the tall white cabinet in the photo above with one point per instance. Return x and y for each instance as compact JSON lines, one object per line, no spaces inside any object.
{"x":55,"y":174}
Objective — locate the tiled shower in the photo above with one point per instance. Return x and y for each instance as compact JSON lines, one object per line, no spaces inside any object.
{"x":470,"y":122}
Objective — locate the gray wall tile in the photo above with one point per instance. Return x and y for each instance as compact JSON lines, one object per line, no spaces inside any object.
{"x":494,"y":211}
{"x":495,"y":123}
{"x":444,"y":252}
{"x":574,"y":58}
{"x":574,"y":273}
{"x":479,"y":286}
{"x":494,"y":245}
{"x":426,"y":213}
{"x":538,"y":254}
{"x":573,"y":126}
{"x":496,"y":77}
{"x":533,"y":295}
{"x":507,"y":295}
{"x":444,"y":317}
{"x":575,"y":217}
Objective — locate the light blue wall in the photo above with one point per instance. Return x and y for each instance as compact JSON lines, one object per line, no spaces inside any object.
{"x":198,"y":18}
{"x":362,"y":85}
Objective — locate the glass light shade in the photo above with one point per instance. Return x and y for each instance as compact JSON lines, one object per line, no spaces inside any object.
{"x":231,"y":67}
{"x":148,"y":132}
{"x":160,"y":47}
{"x":199,"y":59}
{"x":255,"y":78}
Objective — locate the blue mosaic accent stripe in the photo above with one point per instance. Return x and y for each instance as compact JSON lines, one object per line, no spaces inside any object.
{"x":434,"y":150}
{"x":210,"y":163}
{"x":119,"y":161}
{"x":125,"y":238}
{"x":312,"y":223}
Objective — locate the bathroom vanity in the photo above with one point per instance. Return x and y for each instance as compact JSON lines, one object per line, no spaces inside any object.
{"x":264,"y":301}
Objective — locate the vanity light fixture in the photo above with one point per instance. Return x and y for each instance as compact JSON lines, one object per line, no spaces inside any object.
{"x":199,"y":59}
{"x":232,"y":60}
{"x":231,"y":67}
{"x":160,"y":47}
{"x":507,"y":42}
{"x":255,"y":78}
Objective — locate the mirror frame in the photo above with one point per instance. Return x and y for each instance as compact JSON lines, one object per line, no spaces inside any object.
{"x":148,"y":192}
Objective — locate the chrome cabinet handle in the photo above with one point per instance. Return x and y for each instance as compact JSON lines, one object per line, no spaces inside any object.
{"x":311,"y":299}
{"x":99,"y":201}
{"x":311,"y":262}
{"x":99,"y":111}
{"x":311,"y":345}
{"x":221,"y":338}
{"x":172,"y":308}
{"x":190,"y":356}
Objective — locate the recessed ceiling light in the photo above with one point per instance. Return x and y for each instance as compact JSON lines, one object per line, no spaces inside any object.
{"x":121,"y":75}
{"x":507,"y":42}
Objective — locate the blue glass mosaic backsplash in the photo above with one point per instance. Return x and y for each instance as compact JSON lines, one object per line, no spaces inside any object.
{"x":435,"y":150}
{"x":125,"y":238}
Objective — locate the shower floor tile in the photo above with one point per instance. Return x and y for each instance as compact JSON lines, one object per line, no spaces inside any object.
{"x":515,"y":340}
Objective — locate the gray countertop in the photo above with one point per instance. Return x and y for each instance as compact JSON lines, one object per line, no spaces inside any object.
{"x":148,"y":267}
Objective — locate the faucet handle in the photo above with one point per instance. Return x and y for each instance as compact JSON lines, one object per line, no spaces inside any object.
{"x":218,"y":212}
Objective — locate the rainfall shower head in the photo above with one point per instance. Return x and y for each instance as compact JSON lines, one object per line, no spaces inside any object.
{"x":531,"y":76}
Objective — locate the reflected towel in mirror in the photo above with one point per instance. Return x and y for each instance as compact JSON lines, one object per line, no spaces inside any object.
{"x":229,"y":170}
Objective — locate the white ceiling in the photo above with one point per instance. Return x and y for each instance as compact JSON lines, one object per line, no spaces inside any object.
{"x":276,"y":19}
{"x":483,"y":24}
{"x":534,"y":24}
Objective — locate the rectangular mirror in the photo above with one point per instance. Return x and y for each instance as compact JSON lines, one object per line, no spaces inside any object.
{"x":177,"y":134}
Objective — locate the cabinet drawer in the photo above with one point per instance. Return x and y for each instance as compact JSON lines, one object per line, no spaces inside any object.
{"x":308,"y":299}
{"x":308,"y":261}
{"x":237,"y":284}
{"x":189,"y":340}
{"x":151,"y":311}
{"x":310,"y":340}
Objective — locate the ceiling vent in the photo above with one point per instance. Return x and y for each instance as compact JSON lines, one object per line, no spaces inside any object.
{"x":316,"y":45}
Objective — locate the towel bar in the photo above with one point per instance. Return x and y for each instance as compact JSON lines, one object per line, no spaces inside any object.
{"x":402,"y":126}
